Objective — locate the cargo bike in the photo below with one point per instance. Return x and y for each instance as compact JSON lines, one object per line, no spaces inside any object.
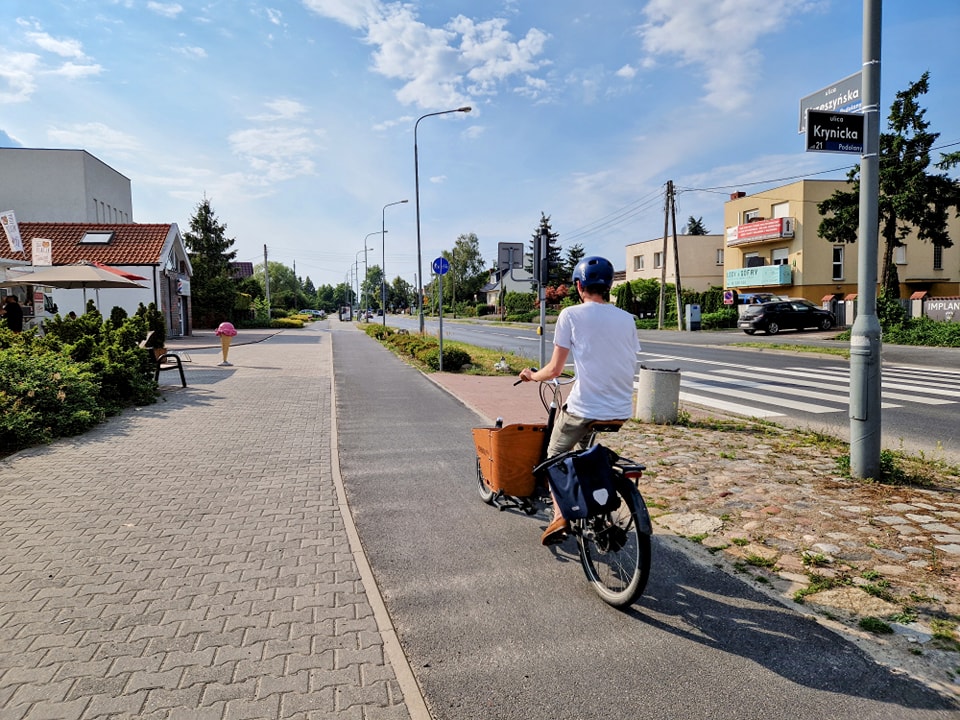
{"x":596,"y":489}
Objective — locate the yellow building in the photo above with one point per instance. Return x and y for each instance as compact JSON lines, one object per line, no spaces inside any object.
{"x":772,"y":246}
{"x":701,"y":261}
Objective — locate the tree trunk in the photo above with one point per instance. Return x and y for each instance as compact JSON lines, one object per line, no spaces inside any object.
{"x":890,"y":279}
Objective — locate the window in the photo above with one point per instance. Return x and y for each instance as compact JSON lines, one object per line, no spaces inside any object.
{"x":781,"y":210}
{"x":658,"y":259}
{"x":752,"y":259}
{"x":97,"y":238}
{"x":938,"y":257}
{"x":838,"y":262}
{"x":638,"y":262}
{"x":780,"y":256}
{"x":751,"y":215}
{"x":720,"y":256}
{"x":900,"y":255}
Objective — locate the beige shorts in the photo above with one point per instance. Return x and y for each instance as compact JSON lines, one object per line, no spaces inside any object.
{"x":569,"y":431}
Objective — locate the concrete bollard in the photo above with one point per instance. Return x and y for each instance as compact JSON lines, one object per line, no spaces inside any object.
{"x":658,"y":395}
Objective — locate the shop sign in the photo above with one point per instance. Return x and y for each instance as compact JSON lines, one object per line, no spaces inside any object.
{"x":761,"y":230}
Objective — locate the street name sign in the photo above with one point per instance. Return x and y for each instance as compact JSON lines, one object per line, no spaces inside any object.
{"x":842,"y":96}
{"x":834,"y":132}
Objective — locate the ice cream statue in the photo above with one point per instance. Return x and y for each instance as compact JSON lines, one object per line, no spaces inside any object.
{"x":226,"y":331}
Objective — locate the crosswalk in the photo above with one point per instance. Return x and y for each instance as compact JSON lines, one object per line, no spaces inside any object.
{"x":767,"y":392}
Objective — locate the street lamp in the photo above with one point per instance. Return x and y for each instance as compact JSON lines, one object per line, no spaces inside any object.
{"x":416,"y":179}
{"x":365,"y":266}
{"x":356,"y":261}
{"x":383,"y":240}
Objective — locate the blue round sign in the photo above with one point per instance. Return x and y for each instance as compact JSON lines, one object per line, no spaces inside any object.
{"x":441,"y":265}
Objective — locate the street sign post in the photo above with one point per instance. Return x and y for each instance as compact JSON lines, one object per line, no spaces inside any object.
{"x":441,"y":266}
{"x":842,"y":96}
{"x":834,"y":132}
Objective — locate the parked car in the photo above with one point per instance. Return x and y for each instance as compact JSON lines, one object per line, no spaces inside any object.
{"x":794,"y":314}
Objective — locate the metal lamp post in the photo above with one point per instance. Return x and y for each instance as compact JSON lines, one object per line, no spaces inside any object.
{"x":383,"y":280}
{"x":356,"y":261}
{"x":416,"y":179}
{"x":365,"y":266}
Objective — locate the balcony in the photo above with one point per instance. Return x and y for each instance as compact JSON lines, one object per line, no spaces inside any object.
{"x":762,"y":276}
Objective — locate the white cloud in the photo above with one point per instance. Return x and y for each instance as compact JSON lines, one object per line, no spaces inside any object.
{"x":353,"y":13}
{"x":197,"y":53}
{"x":627,"y":72}
{"x":440,"y":66}
{"x":282,"y":109}
{"x":277,"y":152}
{"x":72,"y":70}
{"x":17,"y":76}
{"x":719,"y":36}
{"x":63,"y":48}
{"x":167,"y":10}
{"x":274,"y":16}
{"x":93,"y":136}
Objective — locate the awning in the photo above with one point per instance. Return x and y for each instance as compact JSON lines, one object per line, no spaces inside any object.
{"x":919,"y":295}
{"x":851,"y":296}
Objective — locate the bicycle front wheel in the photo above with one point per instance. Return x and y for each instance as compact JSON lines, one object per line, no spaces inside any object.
{"x":486,"y":492}
{"x":615,"y":549}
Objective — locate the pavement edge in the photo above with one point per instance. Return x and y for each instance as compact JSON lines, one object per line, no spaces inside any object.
{"x":412,"y":694}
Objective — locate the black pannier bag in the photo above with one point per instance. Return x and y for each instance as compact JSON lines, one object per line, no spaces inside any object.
{"x":582,"y":482}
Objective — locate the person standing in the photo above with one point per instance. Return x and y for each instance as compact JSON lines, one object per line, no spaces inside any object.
{"x":602,"y":340}
{"x":13,"y":313}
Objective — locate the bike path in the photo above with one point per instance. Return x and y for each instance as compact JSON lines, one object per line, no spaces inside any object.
{"x":192,"y":559}
{"x":496,"y":626}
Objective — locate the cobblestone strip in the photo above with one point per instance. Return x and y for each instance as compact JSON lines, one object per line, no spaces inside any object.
{"x":189,"y":559}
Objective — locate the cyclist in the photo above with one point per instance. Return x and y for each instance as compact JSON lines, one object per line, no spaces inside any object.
{"x":602,"y":339}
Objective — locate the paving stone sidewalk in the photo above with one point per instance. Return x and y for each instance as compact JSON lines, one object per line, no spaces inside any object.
{"x":190,"y":559}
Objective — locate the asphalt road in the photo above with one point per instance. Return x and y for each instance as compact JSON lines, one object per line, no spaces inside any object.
{"x":921,"y":385}
{"x":496,"y":626}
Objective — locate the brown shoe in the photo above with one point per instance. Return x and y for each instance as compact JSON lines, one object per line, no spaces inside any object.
{"x":556,"y":531}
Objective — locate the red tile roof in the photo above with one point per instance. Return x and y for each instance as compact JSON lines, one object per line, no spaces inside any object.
{"x":132,"y":243}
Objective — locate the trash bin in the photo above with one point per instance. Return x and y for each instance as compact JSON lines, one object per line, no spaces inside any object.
{"x":658,"y":395}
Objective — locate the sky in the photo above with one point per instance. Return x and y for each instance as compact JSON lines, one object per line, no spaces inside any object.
{"x":296,"y":118}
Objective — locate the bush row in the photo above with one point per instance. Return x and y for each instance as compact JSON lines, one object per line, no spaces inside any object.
{"x":67,"y":380}
{"x":423,"y":348}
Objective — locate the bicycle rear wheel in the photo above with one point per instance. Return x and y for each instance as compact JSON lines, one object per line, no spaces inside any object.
{"x":615,"y":549}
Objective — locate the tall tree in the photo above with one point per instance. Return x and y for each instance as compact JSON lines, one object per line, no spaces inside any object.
{"x":467,"y":273}
{"x":212,"y":286}
{"x":575,"y":253}
{"x":284,"y":286}
{"x":912,"y":199}
{"x":555,"y":274}
{"x":695,"y":226}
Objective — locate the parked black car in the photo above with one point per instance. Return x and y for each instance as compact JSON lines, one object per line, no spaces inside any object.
{"x":772,"y":317}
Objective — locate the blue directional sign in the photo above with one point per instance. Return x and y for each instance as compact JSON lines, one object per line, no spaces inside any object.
{"x":441,"y":265}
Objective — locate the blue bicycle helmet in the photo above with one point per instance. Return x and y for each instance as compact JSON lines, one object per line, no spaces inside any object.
{"x":594,"y":270}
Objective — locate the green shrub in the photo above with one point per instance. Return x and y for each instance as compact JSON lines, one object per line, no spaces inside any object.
{"x":43,"y":396}
{"x":286,"y":323}
{"x":725,"y":318}
{"x":524,"y":317}
{"x":453,"y":358}
{"x":486,"y":310}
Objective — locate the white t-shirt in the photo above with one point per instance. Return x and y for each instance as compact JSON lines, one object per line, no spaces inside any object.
{"x":603,"y":343}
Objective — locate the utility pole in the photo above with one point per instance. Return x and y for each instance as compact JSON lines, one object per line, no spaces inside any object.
{"x":676,"y":252}
{"x":266,"y":279}
{"x":865,"y":431}
{"x":668,"y":199}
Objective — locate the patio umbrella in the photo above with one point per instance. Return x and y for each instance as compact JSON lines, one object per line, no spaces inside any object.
{"x":82,"y":275}
{"x":118,"y":271}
